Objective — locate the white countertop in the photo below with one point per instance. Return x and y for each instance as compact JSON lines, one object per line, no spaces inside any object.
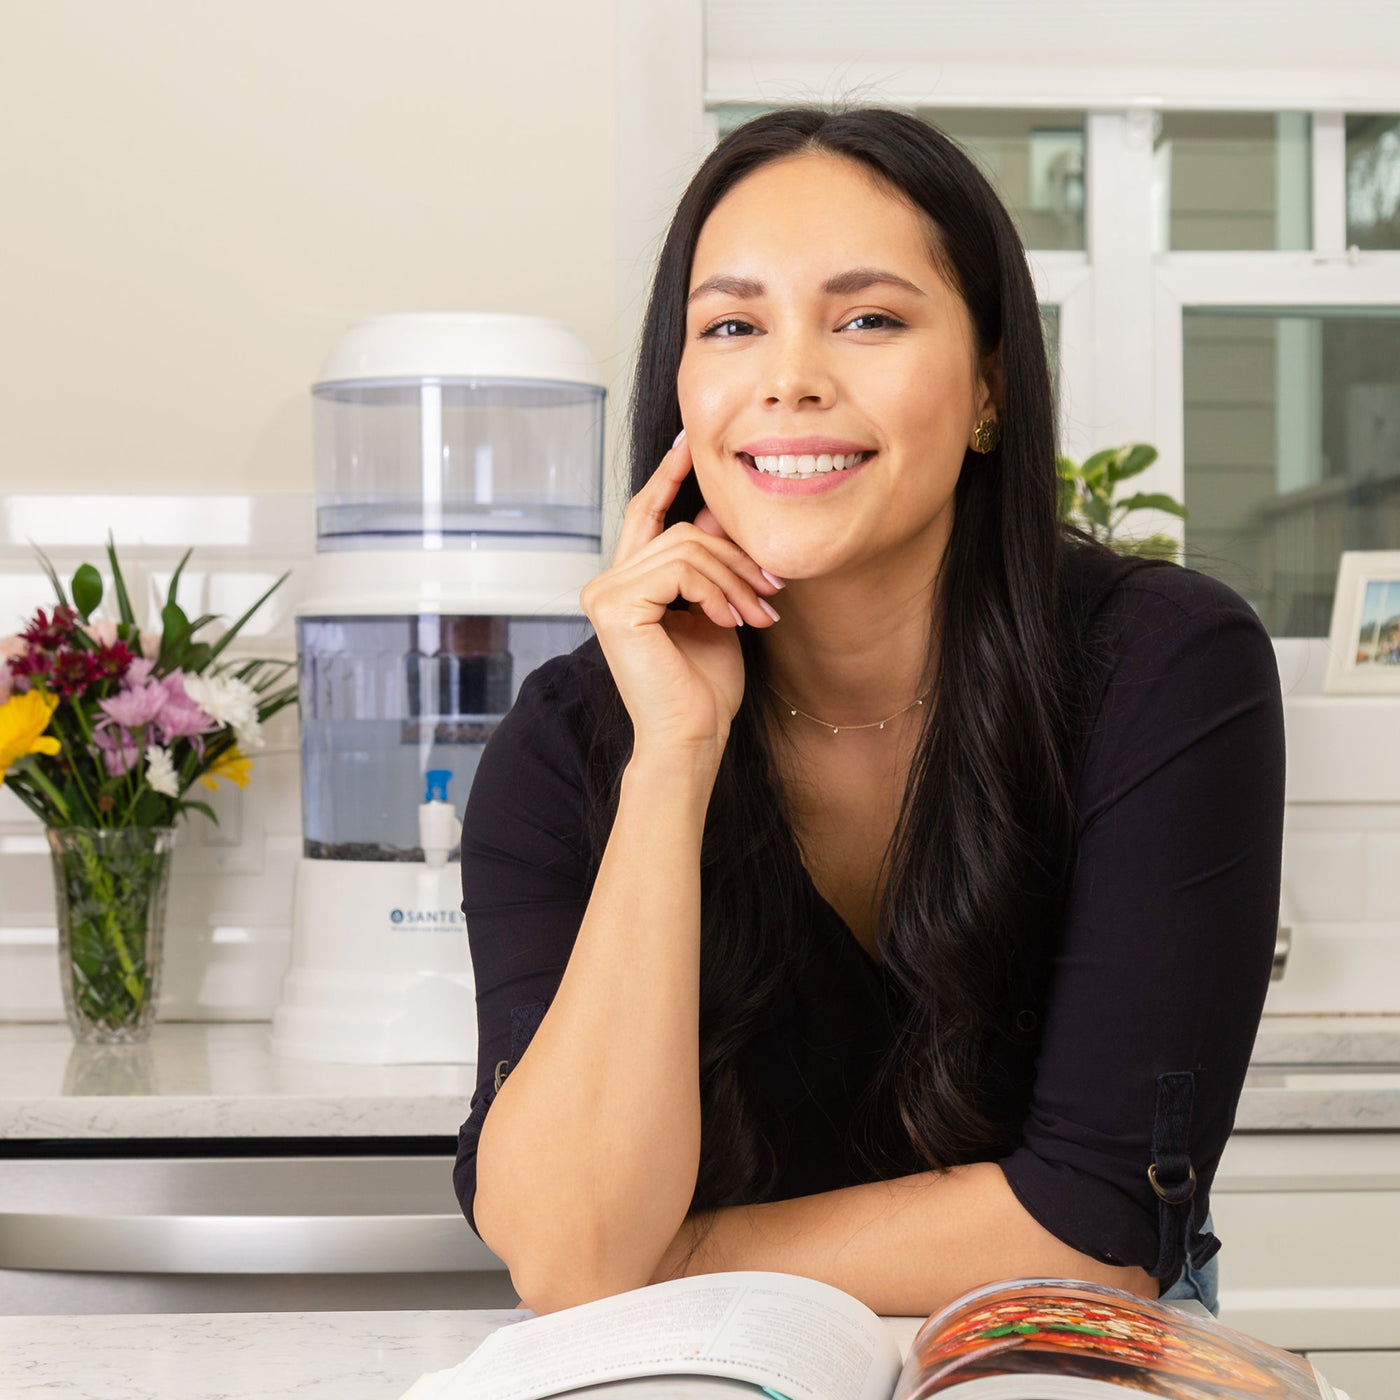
{"x":271,"y":1356}
{"x":212,"y":1079}
{"x":220,"y":1080}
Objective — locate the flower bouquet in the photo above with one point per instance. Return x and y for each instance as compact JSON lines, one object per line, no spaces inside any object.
{"x":104,"y":732}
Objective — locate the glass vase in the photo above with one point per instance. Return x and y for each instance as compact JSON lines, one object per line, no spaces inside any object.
{"x":110,"y":887}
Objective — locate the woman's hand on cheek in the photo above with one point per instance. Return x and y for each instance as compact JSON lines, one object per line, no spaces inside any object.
{"x":680,"y":673}
{"x":709,"y":523}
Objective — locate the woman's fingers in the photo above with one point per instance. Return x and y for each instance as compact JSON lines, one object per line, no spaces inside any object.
{"x":645,"y":516}
{"x":709,"y":523}
{"x":689,"y":570}
{"x":720,"y":547}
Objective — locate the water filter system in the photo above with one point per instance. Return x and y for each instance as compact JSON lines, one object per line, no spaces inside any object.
{"x":459,"y":468}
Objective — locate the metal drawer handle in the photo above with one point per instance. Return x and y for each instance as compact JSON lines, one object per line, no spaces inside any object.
{"x":1283,"y":946}
{"x":242,"y":1244}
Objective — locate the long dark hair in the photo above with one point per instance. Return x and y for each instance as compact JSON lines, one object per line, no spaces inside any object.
{"x":980,"y":852}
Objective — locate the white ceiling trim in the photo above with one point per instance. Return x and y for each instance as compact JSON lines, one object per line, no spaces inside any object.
{"x":1186,"y":34}
{"x":1052,"y":85}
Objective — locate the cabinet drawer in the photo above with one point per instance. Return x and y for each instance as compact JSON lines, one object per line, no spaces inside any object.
{"x":1311,"y":1269}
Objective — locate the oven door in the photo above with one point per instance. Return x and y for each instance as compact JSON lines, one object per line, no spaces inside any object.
{"x":128,"y":1233}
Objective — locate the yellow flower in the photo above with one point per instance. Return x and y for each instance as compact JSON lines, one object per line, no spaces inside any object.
{"x":232,"y":764}
{"x":23,"y":719}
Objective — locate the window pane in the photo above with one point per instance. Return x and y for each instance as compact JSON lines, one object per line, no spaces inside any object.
{"x":1227,"y":180}
{"x":1373,"y":181}
{"x":1292,"y":452}
{"x":732,"y":114}
{"x":1050,"y":325}
{"x":1035,"y":161}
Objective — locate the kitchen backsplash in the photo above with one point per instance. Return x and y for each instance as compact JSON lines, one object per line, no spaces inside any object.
{"x":230,"y":901}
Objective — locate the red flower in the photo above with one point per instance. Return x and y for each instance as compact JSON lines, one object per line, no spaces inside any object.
{"x":110,"y":663}
{"x":50,"y":633}
{"x":73,"y":671}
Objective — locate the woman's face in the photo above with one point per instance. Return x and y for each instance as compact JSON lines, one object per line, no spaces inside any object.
{"x":819,"y":328}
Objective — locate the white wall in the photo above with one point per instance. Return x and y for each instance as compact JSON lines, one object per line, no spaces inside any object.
{"x":198,"y":198}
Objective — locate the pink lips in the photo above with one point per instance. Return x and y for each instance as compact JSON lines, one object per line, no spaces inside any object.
{"x":801,"y":446}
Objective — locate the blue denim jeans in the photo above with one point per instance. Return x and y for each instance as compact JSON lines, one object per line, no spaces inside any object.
{"x":1201,"y":1284}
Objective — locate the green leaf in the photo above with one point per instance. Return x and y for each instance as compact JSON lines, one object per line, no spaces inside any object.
{"x":279,"y":700}
{"x":87,"y":590}
{"x":124,"y":607}
{"x":48,"y":568}
{"x":175,"y":633}
{"x":197,"y":656}
{"x":1095,"y":468}
{"x":1097,"y":510}
{"x":238,"y":626}
{"x":1149,"y":547}
{"x":175,"y":625}
{"x":1067,"y":468}
{"x":1154,"y":500}
{"x":193,"y":804}
{"x":203,"y":620}
{"x":175,"y":577}
{"x":1131,"y":460}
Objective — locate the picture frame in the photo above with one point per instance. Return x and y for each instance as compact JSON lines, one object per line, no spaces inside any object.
{"x":1363,"y":656}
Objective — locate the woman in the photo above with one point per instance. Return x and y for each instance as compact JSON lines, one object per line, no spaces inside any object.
{"x":916,"y":937}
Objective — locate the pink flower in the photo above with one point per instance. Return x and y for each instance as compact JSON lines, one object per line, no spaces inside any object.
{"x":180,"y":717}
{"x":120,"y":752}
{"x":134,"y":707}
{"x":11,"y":649}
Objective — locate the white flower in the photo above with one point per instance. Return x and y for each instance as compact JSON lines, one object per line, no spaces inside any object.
{"x":227,"y":700}
{"x":160,"y":772}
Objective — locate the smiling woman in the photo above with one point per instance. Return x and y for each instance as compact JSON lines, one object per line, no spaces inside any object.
{"x":937,"y":910}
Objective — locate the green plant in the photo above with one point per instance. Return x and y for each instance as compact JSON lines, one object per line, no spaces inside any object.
{"x":1086,"y":499}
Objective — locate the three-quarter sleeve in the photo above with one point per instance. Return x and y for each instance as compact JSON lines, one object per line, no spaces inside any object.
{"x":524,"y":879}
{"x":1165,"y":949}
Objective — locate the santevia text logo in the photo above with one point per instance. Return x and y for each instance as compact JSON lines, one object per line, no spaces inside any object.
{"x":428,"y":919}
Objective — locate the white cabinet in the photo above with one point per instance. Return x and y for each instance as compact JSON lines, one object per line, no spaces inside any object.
{"x":1310,"y":1224}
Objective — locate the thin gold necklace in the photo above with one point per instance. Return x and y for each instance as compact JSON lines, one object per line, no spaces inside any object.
{"x":835,"y":728}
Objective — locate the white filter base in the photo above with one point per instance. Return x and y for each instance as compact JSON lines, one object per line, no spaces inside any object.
{"x":380,"y":970}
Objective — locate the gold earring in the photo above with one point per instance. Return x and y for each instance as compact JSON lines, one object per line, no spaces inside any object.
{"x":986,"y":435}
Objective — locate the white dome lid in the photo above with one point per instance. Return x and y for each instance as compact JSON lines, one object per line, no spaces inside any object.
{"x":462,"y":345}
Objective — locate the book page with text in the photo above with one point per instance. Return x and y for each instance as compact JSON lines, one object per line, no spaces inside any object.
{"x":805,"y":1339}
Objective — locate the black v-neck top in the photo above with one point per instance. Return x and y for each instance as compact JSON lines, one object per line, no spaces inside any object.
{"x":1159,"y":967}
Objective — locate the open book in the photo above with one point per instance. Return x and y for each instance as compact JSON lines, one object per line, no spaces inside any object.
{"x":795,"y":1339}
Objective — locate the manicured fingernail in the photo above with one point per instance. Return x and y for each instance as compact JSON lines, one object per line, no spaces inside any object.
{"x":773,"y":579}
{"x":737,"y":618}
{"x":769,"y":609}
{"x":679,"y":436}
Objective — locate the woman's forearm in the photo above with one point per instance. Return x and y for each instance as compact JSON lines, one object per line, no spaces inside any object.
{"x":904,"y":1247}
{"x":588,"y":1157}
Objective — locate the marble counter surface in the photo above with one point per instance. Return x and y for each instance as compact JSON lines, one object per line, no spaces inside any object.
{"x":273,"y":1356}
{"x":218,"y":1356}
{"x":207,"y":1079}
{"x":219,"y":1080}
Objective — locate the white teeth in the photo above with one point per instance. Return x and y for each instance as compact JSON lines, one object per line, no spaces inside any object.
{"x":808,"y":465}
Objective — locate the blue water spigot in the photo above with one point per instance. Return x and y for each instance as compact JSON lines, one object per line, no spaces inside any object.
{"x":438,"y":779}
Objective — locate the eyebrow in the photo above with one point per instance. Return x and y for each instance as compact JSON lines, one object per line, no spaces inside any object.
{"x":857,"y":279}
